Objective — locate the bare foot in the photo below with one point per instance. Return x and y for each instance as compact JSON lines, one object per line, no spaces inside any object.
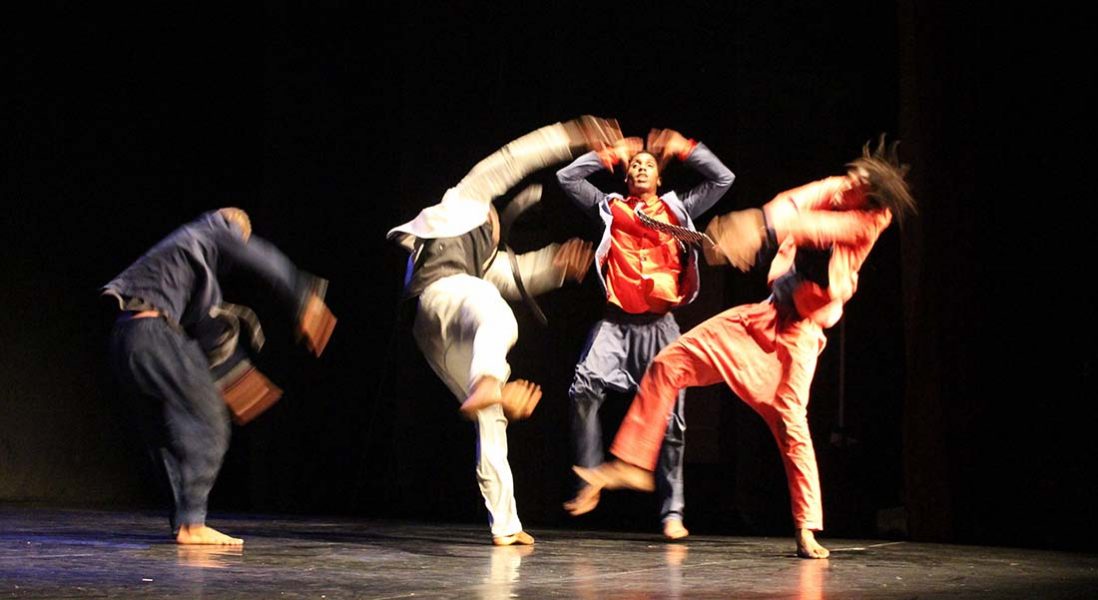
{"x":585,"y":501}
{"x":808,"y":547}
{"x":200,"y":534}
{"x":616,"y":474}
{"x":674,"y":530}
{"x":515,"y":539}
{"x":519,"y":399}
{"x":485,"y":393}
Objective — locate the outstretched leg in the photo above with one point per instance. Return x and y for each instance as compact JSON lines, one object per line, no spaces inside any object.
{"x":642,"y":431}
{"x":538,"y":149}
{"x":644,"y":427}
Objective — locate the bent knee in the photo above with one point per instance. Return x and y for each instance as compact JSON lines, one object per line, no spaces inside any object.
{"x":586,"y":386}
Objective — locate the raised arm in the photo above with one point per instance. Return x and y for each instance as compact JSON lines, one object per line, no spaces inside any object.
{"x":573,"y":180}
{"x":542,"y":270}
{"x":539,"y":275}
{"x":823,"y":229}
{"x":505,"y":167}
{"x":717,"y":178}
{"x":541,"y":148}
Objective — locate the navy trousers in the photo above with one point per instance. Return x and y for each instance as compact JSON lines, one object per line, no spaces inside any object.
{"x":618,"y":351}
{"x":183,"y":417}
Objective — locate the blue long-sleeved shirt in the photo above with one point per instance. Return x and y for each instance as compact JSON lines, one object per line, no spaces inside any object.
{"x":179,"y":275}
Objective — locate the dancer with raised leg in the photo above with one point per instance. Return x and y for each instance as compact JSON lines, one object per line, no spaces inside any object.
{"x":463,"y":324}
{"x":819,"y":235}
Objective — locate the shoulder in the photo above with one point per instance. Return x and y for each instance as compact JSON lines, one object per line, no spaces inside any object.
{"x":672,"y":199}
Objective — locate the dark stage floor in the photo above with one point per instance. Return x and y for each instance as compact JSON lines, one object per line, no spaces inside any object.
{"x":76,"y":554}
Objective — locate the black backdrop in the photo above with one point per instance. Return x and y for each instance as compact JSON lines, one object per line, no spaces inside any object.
{"x":968,"y":352}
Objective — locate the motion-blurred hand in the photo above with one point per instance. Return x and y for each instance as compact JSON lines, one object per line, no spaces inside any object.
{"x":622,"y":150}
{"x":316,"y":325}
{"x":666,"y":144}
{"x":519,"y":398}
{"x":738,"y":235}
{"x":594,"y":133}
{"x":574,"y":258}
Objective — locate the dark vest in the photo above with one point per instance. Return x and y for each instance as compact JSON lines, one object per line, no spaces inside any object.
{"x":471,"y":253}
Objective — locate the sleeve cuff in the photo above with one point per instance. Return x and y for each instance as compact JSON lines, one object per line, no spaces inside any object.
{"x":685,"y":154}
{"x":609,"y":160}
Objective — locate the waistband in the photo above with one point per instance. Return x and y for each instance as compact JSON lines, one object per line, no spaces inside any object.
{"x":615,"y":314}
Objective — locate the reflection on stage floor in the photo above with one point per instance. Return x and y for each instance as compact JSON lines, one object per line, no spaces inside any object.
{"x":48,"y":553}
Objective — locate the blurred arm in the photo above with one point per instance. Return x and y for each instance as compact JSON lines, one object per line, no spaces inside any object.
{"x":539,"y":273}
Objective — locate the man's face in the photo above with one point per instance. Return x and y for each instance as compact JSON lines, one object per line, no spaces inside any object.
{"x":643,"y":175}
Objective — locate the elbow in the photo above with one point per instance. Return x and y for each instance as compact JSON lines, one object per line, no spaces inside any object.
{"x":726,"y":179}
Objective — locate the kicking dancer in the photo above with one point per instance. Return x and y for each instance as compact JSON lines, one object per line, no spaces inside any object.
{"x":463,"y":326}
{"x":174,"y":328}
{"x":766,"y":352}
{"x":645,"y":274}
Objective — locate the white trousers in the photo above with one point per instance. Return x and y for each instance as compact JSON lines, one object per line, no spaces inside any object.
{"x":465,"y":329}
{"x":463,"y":326}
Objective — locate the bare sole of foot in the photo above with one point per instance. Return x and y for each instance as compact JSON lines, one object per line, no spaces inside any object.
{"x":585,"y":501}
{"x":519,"y":399}
{"x":205,"y":536}
{"x":485,"y":393}
{"x":808,"y":547}
{"x":515,"y":539}
{"x":674,"y":530}
{"x":616,"y":475}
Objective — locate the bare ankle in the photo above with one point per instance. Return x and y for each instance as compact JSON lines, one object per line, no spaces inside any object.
{"x":807,"y":546}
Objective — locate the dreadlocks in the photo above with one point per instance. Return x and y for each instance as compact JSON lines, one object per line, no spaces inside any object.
{"x":884,"y":177}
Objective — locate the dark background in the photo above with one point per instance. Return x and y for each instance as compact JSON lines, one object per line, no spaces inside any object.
{"x":969,"y":348}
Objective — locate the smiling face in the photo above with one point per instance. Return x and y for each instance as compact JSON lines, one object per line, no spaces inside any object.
{"x":643,"y":175}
